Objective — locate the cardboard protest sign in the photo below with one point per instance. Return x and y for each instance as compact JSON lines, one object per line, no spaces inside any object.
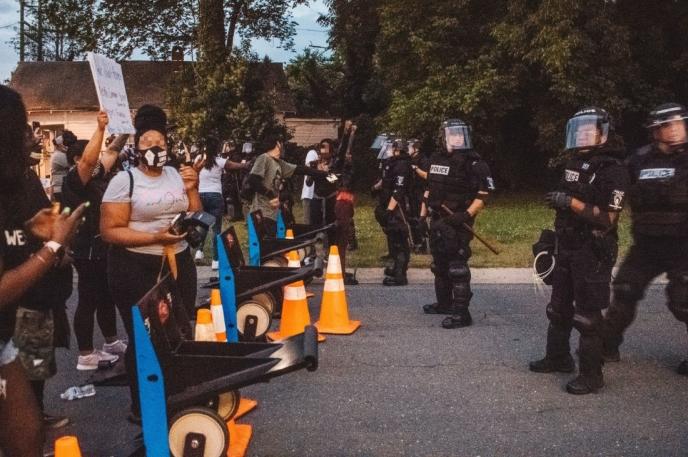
{"x":112,"y":96}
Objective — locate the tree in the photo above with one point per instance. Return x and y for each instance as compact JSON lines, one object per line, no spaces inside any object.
{"x":157,"y":26}
{"x":316,"y":81}
{"x":354,"y":28}
{"x":56,"y":29}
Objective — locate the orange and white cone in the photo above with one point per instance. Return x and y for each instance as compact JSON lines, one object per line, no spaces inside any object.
{"x":300,"y":256}
{"x":295,"y":314}
{"x":334,"y":312}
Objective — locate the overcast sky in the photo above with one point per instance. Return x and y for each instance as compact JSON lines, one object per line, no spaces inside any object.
{"x":308,"y":32}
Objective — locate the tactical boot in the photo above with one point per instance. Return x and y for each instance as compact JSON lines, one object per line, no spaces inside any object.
{"x":395,"y":281}
{"x":552,"y":365}
{"x":590,"y":377}
{"x":683,"y":368}
{"x":389,"y":271}
{"x":610,"y":352}
{"x":436,"y":308}
{"x":462,"y":319}
{"x":585,"y":384}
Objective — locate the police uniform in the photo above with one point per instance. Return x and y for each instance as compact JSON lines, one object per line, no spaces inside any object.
{"x":658,"y":198}
{"x":454,"y":181}
{"x":396,"y":177}
{"x":586,"y":253}
{"x":416,"y":192}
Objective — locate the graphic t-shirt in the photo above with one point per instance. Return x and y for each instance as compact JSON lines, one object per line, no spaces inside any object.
{"x":155,"y":201}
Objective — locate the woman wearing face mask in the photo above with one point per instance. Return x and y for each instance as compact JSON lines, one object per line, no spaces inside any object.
{"x":138,"y":208}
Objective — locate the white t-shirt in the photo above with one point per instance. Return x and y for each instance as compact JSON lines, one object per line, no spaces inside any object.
{"x":307,"y":191}
{"x":210,"y":181}
{"x":154,"y":203}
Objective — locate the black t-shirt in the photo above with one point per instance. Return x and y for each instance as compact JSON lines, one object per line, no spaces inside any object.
{"x":87,"y":243}
{"x":55,"y":287}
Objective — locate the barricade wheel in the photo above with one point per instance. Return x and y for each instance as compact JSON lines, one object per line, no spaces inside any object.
{"x":226,"y":404}
{"x":279,"y":261}
{"x":252,"y":309}
{"x":266,"y":299}
{"x":201,"y":421}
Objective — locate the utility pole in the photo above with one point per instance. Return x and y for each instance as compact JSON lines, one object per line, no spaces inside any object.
{"x":22,"y":43}
{"x":39,"y":31}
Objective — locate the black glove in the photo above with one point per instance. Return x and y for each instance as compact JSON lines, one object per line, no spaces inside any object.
{"x":558,"y":200}
{"x":389,"y":214}
{"x":458,"y":219}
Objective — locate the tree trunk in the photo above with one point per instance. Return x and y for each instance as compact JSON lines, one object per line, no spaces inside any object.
{"x":211,"y":31}
{"x":233,"y":20}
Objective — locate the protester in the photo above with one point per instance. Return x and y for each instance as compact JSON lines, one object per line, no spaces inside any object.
{"x":26,"y":264}
{"x":59,"y":165}
{"x":325,"y":193}
{"x":307,"y":194}
{"x":138,"y":208}
{"x":86,"y":182}
{"x":210,"y":189}
{"x":266,"y":180}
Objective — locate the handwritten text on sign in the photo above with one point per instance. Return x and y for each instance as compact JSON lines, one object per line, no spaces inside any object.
{"x":112,"y":96}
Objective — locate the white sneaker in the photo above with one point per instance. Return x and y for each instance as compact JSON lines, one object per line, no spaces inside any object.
{"x":91,"y":361}
{"x":215,"y":265}
{"x":199,"y":255}
{"x":118,"y":347}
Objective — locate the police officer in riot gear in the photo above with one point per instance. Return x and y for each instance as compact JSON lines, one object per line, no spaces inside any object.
{"x":392,"y":212}
{"x":459,"y":182}
{"x":588,"y":201}
{"x":658,"y":196}
{"x":420,"y":164}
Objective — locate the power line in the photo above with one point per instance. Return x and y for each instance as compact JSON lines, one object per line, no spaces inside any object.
{"x":312,"y":30}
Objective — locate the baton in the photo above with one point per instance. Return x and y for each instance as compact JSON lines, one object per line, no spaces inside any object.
{"x":470,"y":230}
{"x":408,"y":227}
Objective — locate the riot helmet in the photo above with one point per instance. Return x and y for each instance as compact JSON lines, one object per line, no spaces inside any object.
{"x":667,"y":123}
{"x":456,"y":135}
{"x":387,"y":148}
{"x":399,"y":146}
{"x":588,"y":129}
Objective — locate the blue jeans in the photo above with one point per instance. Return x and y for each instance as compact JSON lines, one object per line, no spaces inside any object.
{"x":213,"y":203}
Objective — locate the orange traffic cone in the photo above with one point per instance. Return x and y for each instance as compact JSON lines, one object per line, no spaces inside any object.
{"x":295,"y":314}
{"x":67,"y":446}
{"x":299,"y":256}
{"x":334,"y":312}
{"x":239,"y":438}
{"x":218,"y":315}
{"x":204,"y":326}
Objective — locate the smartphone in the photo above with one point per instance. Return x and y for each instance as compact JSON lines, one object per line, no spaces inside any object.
{"x":176,"y":227}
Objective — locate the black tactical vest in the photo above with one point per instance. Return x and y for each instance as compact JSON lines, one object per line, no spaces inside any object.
{"x":659,"y":193}
{"x":580,"y":180}
{"x":392,"y":169}
{"x":451,"y":181}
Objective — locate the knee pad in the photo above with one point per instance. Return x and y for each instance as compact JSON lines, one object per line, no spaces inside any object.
{"x":626,"y":292}
{"x":588,"y":323}
{"x":677,"y":292}
{"x":557,"y":318}
{"x":459,"y":272}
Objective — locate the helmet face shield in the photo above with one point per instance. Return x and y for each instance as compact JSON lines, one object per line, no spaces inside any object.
{"x":387,"y":150}
{"x":457,"y":137}
{"x":672,"y":131}
{"x":378,"y":142}
{"x":587,"y":131}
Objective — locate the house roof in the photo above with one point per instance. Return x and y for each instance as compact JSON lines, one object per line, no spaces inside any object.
{"x":46,"y":86}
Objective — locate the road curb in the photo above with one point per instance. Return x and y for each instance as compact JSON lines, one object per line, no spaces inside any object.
{"x":425,"y":276}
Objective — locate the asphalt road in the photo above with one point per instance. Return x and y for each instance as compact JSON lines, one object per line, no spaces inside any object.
{"x":404,"y":386}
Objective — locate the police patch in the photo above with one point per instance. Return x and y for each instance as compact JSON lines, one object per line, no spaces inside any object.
{"x":439,"y":170}
{"x":657,"y":173}
{"x":617,"y":199}
{"x":585,"y":166}
{"x":490,"y":183}
{"x":572,"y":176}
{"x":400,"y":180}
